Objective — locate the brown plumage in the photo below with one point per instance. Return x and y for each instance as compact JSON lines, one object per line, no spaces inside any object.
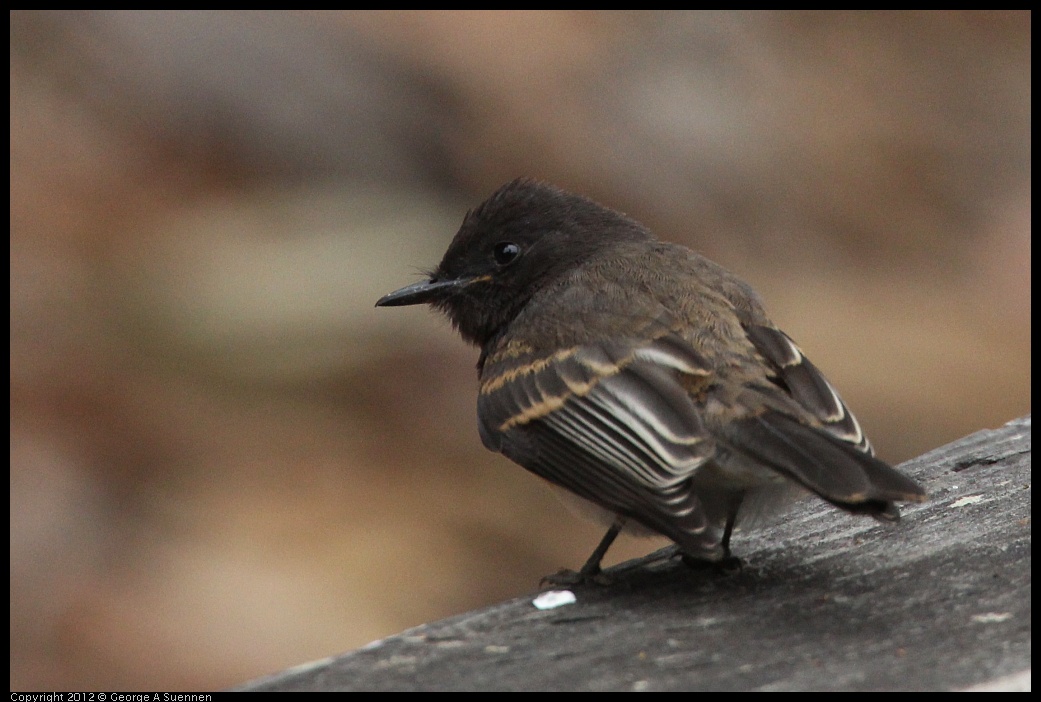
{"x":641,"y":376}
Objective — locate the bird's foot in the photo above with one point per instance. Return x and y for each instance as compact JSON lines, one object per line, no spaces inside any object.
{"x":574,"y":578}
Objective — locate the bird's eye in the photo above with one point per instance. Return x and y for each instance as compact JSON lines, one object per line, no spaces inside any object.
{"x":505,"y":252}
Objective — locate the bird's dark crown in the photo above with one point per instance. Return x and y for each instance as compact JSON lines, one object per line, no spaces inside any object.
{"x":519,"y":240}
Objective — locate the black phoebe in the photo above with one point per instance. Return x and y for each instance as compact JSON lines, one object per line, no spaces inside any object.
{"x":641,"y":376}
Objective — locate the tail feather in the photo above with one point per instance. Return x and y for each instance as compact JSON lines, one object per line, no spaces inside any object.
{"x":833,"y":469}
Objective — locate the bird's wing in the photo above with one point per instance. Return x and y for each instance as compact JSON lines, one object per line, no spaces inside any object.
{"x":822,"y":447}
{"x":807,"y":385}
{"x":612,"y":422}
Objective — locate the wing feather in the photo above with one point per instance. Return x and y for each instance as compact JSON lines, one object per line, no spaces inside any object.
{"x":610,"y":422}
{"x":808,"y":386}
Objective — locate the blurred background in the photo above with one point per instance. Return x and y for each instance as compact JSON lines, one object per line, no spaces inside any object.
{"x":225,"y":461}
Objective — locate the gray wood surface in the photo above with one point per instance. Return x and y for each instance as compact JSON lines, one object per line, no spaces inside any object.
{"x":940,"y":601}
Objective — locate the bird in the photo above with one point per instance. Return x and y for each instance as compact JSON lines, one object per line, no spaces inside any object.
{"x":641,"y":378}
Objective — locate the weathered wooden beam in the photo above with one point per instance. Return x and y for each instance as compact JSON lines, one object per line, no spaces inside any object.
{"x":825,"y":601}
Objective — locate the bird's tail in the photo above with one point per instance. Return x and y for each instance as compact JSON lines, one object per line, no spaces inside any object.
{"x":835,"y":470}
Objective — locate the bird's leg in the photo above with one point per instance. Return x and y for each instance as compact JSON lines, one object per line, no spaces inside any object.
{"x":727,"y":531}
{"x":728,"y":563}
{"x":590,"y":572}
{"x":592,"y":566}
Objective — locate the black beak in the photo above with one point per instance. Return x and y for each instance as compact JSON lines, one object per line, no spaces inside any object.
{"x":418,"y":293}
